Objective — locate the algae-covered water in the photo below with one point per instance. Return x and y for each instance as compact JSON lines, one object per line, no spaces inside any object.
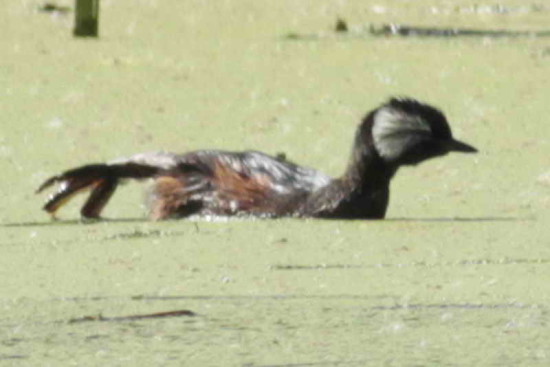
{"x":458,"y":274}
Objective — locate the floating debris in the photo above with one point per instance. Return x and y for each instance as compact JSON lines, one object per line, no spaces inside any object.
{"x":341,"y":26}
{"x":137,"y":233}
{"x":500,"y":9}
{"x":393,"y":29}
{"x":302,"y":37}
{"x":54,"y":8}
{"x":158,"y":315}
{"x":466,"y":262}
{"x":401,"y":30}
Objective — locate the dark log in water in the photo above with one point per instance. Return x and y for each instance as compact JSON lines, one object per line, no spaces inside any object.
{"x":414,"y":31}
{"x":158,"y":315}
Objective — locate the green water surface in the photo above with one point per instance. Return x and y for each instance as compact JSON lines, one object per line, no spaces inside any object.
{"x":458,"y":274}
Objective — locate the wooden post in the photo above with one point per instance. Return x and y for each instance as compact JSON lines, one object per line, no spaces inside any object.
{"x":86,"y":18}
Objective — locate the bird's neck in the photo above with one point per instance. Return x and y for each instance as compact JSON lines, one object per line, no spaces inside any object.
{"x":366,"y":171}
{"x":362,"y":192}
{"x":366,"y":182}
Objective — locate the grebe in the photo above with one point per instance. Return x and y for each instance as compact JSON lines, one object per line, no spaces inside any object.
{"x":400,"y":132}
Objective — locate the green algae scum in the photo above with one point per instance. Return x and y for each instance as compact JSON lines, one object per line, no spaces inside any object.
{"x":457,"y":275}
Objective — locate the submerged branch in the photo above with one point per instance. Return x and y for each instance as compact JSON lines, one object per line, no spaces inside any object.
{"x":393,"y":29}
{"x":158,"y":315}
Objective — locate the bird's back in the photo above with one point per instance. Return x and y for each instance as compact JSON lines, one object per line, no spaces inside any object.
{"x":213,"y":182}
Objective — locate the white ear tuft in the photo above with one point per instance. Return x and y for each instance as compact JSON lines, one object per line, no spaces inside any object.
{"x":394,"y":132}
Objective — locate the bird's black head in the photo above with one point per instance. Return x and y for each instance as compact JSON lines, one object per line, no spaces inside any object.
{"x":407,"y":132}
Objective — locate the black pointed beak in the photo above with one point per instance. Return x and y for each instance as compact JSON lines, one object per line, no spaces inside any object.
{"x":458,"y":146}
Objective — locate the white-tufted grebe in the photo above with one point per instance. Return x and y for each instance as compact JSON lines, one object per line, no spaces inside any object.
{"x":400,"y":132}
